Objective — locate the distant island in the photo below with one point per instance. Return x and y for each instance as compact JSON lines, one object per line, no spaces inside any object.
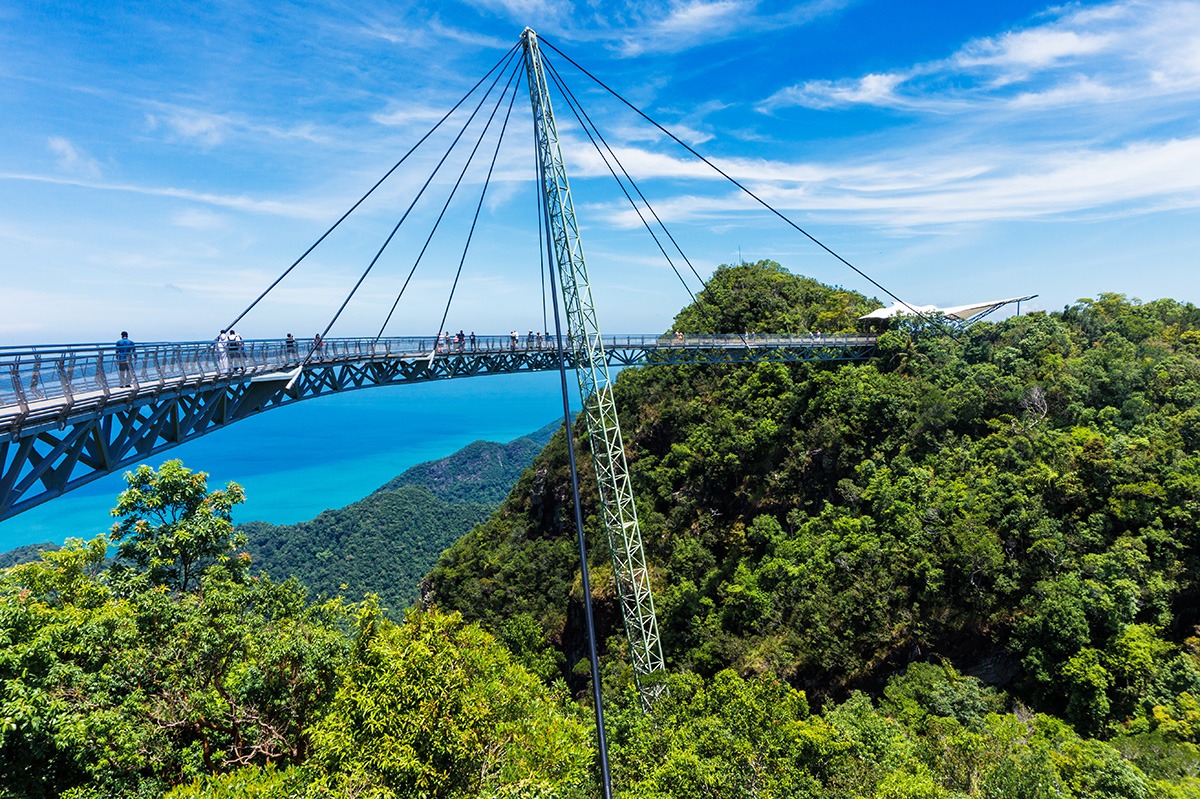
{"x":385,"y":543}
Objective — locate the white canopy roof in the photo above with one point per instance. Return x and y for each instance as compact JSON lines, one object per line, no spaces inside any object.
{"x":962,"y":313}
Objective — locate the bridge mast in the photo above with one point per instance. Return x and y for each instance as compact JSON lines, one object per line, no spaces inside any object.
{"x":600,"y":412}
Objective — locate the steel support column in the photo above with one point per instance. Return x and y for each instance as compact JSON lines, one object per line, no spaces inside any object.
{"x":600,"y":413}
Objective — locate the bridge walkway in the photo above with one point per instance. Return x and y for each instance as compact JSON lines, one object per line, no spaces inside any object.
{"x":66,"y":419}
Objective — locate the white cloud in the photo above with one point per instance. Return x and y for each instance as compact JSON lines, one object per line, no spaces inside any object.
{"x":636,"y":27}
{"x":1081,"y":91}
{"x":410,"y":114}
{"x":874,"y":89}
{"x":1124,"y":51}
{"x":527,"y":9}
{"x":683,"y":24}
{"x":428,"y":34}
{"x":199,"y":219}
{"x":209,"y":129}
{"x":72,"y":160}
{"x":966,"y":188}
{"x":1038,"y":48}
{"x":293,"y":210}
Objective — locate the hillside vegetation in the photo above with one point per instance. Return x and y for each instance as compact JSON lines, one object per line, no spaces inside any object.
{"x":964,"y":569}
{"x":26,"y":553}
{"x":1020,"y":500}
{"x":385,"y":543}
{"x":173,"y":666}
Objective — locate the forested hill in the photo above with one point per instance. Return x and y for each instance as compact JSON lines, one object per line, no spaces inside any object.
{"x":482,"y":472}
{"x":386,"y":542}
{"x":26,"y":553}
{"x":1021,"y":499}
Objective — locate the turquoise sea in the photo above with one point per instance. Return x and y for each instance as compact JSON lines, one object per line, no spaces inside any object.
{"x":297,"y":461}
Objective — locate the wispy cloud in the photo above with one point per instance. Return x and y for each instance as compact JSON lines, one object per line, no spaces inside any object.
{"x":207,"y":129}
{"x":638,"y":27}
{"x":678,"y":26}
{"x":211,"y":129}
{"x":1017,"y":54}
{"x":72,"y":160}
{"x":969,"y":187}
{"x":430,"y":33}
{"x":199,"y":219}
{"x":873,"y":89}
{"x":1125,"y":51}
{"x":410,"y":114}
{"x":683,"y":26}
{"x":293,"y":210}
{"x":528,"y":9}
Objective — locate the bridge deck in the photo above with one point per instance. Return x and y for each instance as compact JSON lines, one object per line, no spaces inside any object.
{"x":66,"y":418}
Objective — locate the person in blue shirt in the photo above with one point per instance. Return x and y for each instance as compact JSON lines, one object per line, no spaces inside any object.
{"x":125,"y":360}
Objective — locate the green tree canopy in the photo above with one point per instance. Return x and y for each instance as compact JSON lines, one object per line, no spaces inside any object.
{"x":172,"y":527}
{"x":764,"y":297}
{"x":109,"y":693}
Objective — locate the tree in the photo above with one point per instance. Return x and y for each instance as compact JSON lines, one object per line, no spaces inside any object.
{"x":436,"y":708}
{"x":766,"y":298}
{"x":173,"y":528}
{"x":123,"y":695}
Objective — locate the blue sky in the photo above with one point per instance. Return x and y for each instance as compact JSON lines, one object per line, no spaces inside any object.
{"x":162,"y":162}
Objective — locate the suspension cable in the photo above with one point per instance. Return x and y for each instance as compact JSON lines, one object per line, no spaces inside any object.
{"x":478,"y":208}
{"x":446,"y":205}
{"x":577,"y":109}
{"x":412,"y":205}
{"x":732,"y":180}
{"x":543,"y":262}
{"x":370,"y":191}
{"x":566,"y":90}
{"x":577,"y":504}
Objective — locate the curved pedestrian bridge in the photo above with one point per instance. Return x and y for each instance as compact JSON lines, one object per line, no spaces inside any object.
{"x":67,"y":418}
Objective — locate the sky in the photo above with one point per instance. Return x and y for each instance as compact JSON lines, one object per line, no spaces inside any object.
{"x":162,"y":163}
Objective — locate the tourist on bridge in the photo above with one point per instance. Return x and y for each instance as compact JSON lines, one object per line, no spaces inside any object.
{"x":529,"y":341}
{"x":222,"y":349}
{"x":125,"y":352}
{"x":236,"y":353}
{"x":472,"y":341}
{"x":540,"y":339}
{"x":459,"y":341}
{"x":317,"y":347}
{"x":513,"y":338}
{"x":289,"y":347}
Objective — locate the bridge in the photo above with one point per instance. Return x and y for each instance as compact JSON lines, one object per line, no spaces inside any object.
{"x":71,"y":414}
{"x":67,"y":419}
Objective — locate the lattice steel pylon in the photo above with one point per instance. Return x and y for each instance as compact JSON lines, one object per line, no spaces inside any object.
{"x":599,"y":410}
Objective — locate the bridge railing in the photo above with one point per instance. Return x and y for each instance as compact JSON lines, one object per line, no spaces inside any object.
{"x":43,"y":376}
